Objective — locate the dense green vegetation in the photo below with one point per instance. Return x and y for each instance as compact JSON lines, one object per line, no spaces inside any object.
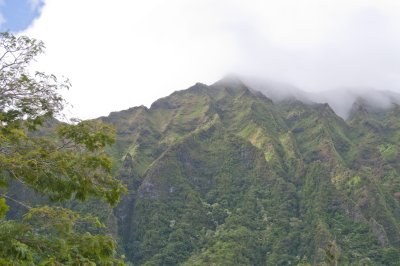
{"x":40,"y":165}
{"x":216,"y":175}
{"x":221,"y":175}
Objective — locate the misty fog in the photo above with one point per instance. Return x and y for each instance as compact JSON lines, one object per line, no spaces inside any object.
{"x":341,"y":100}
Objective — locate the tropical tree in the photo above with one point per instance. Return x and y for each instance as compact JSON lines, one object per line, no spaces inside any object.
{"x":66,"y":161}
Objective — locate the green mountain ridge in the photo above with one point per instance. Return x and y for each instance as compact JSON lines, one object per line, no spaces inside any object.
{"x":221,"y":175}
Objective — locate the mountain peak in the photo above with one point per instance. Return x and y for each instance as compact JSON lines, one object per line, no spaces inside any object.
{"x":231,"y":81}
{"x":225,"y":165}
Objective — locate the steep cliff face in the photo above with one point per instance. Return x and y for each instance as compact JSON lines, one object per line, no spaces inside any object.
{"x":221,"y":175}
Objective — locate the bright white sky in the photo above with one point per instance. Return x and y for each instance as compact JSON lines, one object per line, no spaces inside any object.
{"x":123,"y":53}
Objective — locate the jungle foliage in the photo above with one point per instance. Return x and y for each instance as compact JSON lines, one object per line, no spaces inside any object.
{"x":59,"y":162}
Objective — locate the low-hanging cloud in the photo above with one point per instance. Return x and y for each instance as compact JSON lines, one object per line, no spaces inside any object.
{"x":362,"y":54}
{"x":126,"y":53}
{"x":341,"y":100}
{"x":362,"y":61}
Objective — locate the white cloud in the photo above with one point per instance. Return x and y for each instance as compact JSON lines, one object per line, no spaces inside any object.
{"x":124,"y":53}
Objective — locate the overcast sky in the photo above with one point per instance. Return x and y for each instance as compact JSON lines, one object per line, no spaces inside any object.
{"x":125,"y":53}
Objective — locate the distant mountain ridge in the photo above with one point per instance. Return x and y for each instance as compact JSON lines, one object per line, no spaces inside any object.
{"x":223,"y":175}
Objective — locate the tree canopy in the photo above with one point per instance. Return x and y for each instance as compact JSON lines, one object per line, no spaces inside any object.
{"x":64,"y":161}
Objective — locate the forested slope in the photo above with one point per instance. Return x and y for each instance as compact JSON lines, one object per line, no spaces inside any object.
{"x":221,"y":175}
